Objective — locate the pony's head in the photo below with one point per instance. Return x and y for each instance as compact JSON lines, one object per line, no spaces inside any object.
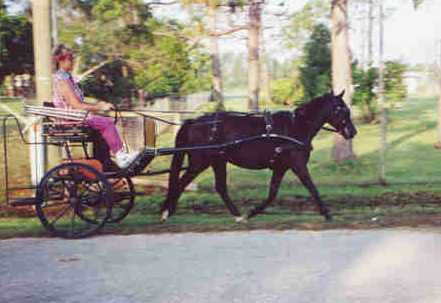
{"x":340,"y":116}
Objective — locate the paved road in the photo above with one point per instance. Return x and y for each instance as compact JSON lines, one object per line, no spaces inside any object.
{"x":294,"y":266}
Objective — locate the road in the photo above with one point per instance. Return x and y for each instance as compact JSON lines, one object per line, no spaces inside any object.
{"x":338,"y":266}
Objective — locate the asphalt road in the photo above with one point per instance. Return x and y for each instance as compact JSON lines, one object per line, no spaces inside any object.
{"x":291,"y":266}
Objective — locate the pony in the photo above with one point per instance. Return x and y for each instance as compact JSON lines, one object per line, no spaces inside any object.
{"x":279,"y":141}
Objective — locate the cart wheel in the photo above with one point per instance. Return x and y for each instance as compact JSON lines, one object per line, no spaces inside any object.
{"x":73,"y":200}
{"x":123,"y":198}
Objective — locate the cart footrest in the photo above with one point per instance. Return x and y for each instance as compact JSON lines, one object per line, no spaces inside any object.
{"x":23,"y":202}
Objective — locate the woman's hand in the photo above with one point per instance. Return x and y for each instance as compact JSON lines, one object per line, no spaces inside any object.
{"x":104,"y":106}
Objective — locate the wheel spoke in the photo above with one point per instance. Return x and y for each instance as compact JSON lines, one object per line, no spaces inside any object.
{"x":66,"y":188}
{"x":61,"y":214}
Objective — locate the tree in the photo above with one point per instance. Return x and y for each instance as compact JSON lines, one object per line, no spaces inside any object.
{"x":159,"y":54}
{"x":216,"y":68}
{"x":394,"y":87}
{"x":254,"y":28}
{"x":437,"y":73}
{"x":303,"y":22}
{"x":341,"y":70}
{"x":315,"y":74}
{"x":365,"y":82}
{"x":16,"y":47}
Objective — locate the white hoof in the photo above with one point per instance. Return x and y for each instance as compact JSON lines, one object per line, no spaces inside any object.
{"x":241,"y":219}
{"x":164,"y":216}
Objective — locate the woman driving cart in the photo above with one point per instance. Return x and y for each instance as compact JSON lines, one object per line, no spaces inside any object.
{"x":68,"y":95}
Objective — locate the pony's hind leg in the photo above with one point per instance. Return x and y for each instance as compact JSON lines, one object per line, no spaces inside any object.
{"x":276,"y":179}
{"x":220,"y":173}
{"x":305,"y":178}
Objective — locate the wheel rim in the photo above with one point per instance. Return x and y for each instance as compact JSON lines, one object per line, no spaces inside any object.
{"x":73,"y":200}
{"x":123,"y":198}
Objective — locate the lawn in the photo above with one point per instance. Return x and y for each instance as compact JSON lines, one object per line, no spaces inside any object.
{"x":413,"y":196}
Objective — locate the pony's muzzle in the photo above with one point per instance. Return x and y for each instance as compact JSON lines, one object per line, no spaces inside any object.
{"x":349,"y":132}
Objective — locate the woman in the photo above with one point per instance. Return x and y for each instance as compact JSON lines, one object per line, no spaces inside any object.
{"x":68,"y":95}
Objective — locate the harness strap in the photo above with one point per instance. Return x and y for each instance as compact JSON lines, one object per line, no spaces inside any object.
{"x":267,"y":116}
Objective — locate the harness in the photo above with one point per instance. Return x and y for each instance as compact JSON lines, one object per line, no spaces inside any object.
{"x":215,"y":133}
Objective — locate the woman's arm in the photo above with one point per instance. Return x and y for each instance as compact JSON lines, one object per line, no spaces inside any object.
{"x":70,"y":97}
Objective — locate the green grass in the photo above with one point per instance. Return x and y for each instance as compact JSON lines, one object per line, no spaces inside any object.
{"x":351,"y":189}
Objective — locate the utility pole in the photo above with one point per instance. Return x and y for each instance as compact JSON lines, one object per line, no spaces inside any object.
{"x":370,"y":33}
{"x":41,"y":26}
{"x":381,"y":100}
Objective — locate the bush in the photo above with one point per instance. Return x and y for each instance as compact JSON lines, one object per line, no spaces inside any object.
{"x":286,"y":91}
{"x":365,"y":83}
{"x":395,"y":88}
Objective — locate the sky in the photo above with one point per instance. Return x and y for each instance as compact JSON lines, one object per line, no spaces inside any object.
{"x":412,"y":36}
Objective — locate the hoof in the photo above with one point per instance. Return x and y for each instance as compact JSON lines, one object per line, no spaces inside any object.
{"x":241,"y":219}
{"x":164,"y":216}
{"x":328,"y":217}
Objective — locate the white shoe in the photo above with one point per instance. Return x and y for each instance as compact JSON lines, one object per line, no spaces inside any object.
{"x":123,"y":159}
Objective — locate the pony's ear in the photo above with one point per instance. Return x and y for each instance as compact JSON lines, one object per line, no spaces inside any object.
{"x":341,"y":94}
{"x":299,"y":111}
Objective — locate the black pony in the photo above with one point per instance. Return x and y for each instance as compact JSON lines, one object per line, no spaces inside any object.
{"x":282,"y":141}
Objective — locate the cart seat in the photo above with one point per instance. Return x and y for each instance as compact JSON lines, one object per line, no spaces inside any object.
{"x":61,"y":125}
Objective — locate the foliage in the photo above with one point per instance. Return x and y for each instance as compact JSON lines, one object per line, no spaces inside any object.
{"x":364,"y":97}
{"x":315,"y":74}
{"x":113,"y":82}
{"x":156,"y":50}
{"x":366,"y":85}
{"x":304,"y":22}
{"x":287,"y":91}
{"x":394,"y":86}
{"x":16,"y":48}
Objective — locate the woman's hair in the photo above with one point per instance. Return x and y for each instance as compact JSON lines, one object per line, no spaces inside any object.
{"x":60,"y":53}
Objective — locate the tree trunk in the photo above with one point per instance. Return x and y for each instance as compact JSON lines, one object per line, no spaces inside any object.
{"x":217,"y":85}
{"x":438,"y":143}
{"x":255,"y":16}
{"x":438,"y":74}
{"x":341,"y":71}
{"x":266,"y":76}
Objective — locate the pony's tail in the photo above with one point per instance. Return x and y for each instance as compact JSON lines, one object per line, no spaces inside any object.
{"x":169,"y":205}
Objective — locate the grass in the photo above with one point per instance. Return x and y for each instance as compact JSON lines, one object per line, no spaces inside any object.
{"x":352,"y":190}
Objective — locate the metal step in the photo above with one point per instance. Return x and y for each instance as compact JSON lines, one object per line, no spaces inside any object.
{"x":23,"y":201}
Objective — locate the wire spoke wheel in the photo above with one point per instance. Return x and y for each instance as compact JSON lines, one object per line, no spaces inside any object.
{"x":73,"y":200}
{"x":123,"y":198}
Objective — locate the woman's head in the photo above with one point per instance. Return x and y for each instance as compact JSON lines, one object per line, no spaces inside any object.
{"x":63,"y":57}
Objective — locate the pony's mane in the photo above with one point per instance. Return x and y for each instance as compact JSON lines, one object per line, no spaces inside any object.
{"x":315,"y":103}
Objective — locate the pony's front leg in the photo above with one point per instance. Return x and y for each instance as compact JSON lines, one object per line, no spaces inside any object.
{"x":220,"y":174}
{"x":305,"y":178}
{"x":276,"y":179}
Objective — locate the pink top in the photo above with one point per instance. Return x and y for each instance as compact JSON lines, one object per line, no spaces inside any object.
{"x":58,"y":98}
